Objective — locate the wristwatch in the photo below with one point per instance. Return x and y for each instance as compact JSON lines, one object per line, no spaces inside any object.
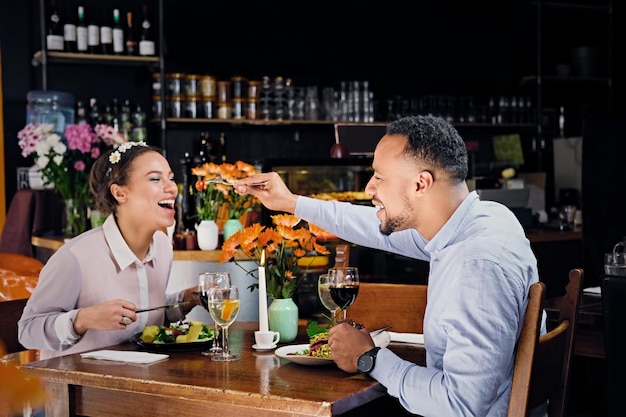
{"x":367,"y":361}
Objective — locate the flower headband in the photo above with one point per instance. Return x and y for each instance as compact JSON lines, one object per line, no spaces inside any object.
{"x":116,"y":156}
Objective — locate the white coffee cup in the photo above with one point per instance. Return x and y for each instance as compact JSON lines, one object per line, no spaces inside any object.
{"x":266,"y":339}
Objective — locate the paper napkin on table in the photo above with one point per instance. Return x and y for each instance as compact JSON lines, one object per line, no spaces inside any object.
{"x":416,"y":338}
{"x":125,"y":356}
{"x":592,"y":290}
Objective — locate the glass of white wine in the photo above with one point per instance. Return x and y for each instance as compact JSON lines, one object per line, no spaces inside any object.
{"x":323,"y":291}
{"x":208,"y":280}
{"x":344,"y":286}
{"x":224,"y":308}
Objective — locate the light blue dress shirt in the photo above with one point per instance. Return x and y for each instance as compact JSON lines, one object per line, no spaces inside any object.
{"x":481,"y":268}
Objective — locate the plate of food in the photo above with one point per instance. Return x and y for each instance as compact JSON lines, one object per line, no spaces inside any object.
{"x":179,"y":336}
{"x":301,"y":354}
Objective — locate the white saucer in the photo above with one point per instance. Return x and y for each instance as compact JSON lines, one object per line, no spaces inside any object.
{"x":263,"y":349}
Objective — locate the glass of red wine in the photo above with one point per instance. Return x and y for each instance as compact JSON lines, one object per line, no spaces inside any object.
{"x":343,"y":286}
{"x":206,"y":281}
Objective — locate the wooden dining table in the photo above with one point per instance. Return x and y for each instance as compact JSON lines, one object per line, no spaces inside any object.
{"x":189,"y":383}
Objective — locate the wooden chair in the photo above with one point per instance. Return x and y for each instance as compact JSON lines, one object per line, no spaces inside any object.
{"x":18,"y":276}
{"x":380,"y":304}
{"x":614,"y":314}
{"x":549,"y":364}
{"x":10,"y":313}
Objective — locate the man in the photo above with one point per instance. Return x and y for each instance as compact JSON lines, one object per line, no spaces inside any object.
{"x":481,"y":267}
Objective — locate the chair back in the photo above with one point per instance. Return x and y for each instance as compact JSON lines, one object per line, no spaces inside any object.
{"x":18,"y":275}
{"x":614,"y":314}
{"x":381,"y":304}
{"x":525,"y":352}
{"x":549,"y":365}
{"x":10,"y":313}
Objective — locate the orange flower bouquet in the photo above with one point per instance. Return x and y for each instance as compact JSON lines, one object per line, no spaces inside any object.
{"x":284,"y":245}
{"x":210,"y":197}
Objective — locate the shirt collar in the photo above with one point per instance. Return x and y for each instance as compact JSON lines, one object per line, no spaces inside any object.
{"x":450,"y":230}
{"x":119,"y":248}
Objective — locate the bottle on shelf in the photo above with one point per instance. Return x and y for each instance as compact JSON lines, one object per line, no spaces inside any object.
{"x":118,"y":33}
{"x":140,"y":132}
{"x":131,"y":43}
{"x":94,"y":112}
{"x":126,"y":123}
{"x":54,"y":39}
{"x":69,"y":33}
{"x":115,"y":116}
{"x":81,"y":116}
{"x":106,"y":35}
{"x":93,"y":34}
{"x":81,"y":31}
{"x":146,"y":43}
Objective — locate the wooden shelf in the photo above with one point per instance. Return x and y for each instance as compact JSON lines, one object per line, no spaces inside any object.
{"x":55,"y":242}
{"x":96,"y":59}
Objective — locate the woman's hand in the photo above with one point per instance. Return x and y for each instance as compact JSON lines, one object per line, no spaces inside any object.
{"x":111,"y":315}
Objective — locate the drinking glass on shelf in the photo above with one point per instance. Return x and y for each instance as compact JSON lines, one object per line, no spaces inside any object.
{"x":323,"y":290}
{"x":207,"y":280}
{"x":224,"y":308}
{"x":343,"y":286}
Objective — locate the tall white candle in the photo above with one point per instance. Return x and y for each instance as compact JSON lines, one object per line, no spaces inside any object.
{"x":263,"y":322}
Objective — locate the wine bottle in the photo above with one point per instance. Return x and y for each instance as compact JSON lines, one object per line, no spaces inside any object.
{"x":93,"y":34}
{"x":69,"y":32}
{"x":81,"y":31}
{"x":126,"y":122}
{"x":54,"y":39}
{"x":146,"y":44}
{"x":94,"y":112}
{"x":139,"y":124}
{"x":131,"y":43}
{"x":118,"y":33}
{"x":81,"y":115}
{"x":106,"y":35}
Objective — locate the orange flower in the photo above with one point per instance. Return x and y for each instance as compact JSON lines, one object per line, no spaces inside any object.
{"x":283,"y":244}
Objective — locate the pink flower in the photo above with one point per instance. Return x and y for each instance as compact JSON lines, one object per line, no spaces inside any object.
{"x":79,"y":166}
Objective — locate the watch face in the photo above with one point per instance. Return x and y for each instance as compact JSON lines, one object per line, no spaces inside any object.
{"x":365,"y":363}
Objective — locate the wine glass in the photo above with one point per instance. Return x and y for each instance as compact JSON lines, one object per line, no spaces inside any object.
{"x":208,"y":280}
{"x":343,"y":286}
{"x":323,"y":290}
{"x":224,"y":308}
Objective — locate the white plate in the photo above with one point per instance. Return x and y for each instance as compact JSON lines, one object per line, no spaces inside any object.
{"x":287,"y":352}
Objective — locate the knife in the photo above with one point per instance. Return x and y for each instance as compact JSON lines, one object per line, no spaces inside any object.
{"x":165,"y":307}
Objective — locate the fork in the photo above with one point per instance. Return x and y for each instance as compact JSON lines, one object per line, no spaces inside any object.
{"x":378,"y":331}
{"x":220,"y":180}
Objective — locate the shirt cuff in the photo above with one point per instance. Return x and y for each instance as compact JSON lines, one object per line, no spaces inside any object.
{"x":64,"y":328}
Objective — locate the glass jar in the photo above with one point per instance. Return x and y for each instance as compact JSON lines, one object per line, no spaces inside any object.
{"x":175,"y":84}
{"x":238,"y":86}
{"x":157,"y":106}
{"x":192,"y":85}
{"x":238,"y":108}
{"x":223,"y":92}
{"x":175,"y":106}
{"x":191,"y":107}
{"x":207,"y":86}
{"x":224,"y":110}
{"x":50,"y":107}
{"x":206,"y":108}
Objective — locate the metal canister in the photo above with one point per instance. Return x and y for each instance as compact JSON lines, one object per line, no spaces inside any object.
{"x":238,"y":108}
{"x":191,"y":107}
{"x":207,"y":86}
{"x":252,"y":109}
{"x":223,"y":92}
{"x":157,"y":106}
{"x":175,"y":83}
{"x":238,"y":85}
{"x":206,"y":108}
{"x":175,"y":105}
{"x":192,"y":85}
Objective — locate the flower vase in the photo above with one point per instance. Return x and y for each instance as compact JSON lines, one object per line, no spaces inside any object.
{"x":231,"y":226}
{"x":207,"y":234}
{"x":283,"y":317}
{"x":75,"y":217}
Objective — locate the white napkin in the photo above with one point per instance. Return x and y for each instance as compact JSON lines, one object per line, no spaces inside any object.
{"x":125,"y":356}
{"x":382,"y":339}
{"x":416,"y":338}
{"x":592,"y":290}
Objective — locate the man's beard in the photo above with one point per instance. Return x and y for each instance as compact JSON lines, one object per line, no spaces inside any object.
{"x":393,"y":224}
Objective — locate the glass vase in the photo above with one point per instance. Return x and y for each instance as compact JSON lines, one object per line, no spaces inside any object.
{"x":75,"y":217}
{"x":283,"y":317}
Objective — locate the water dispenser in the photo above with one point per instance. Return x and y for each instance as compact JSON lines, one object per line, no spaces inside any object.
{"x":51,"y":107}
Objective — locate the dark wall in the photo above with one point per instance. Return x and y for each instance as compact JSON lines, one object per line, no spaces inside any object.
{"x":459,"y":47}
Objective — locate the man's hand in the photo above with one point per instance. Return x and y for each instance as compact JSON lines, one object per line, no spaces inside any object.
{"x":347,"y":344}
{"x":274,"y":195}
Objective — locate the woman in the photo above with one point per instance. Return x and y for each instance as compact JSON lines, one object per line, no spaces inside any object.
{"x":89,"y":290}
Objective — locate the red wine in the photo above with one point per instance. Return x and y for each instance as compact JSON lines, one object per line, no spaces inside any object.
{"x":204,"y":299}
{"x":344,"y":295}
